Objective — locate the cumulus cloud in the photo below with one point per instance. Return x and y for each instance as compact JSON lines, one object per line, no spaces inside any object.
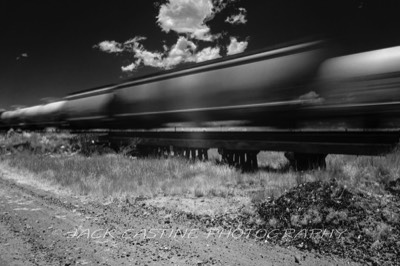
{"x":187,"y":16}
{"x":184,"y":51}
{"x":236,"y":47}
{"x":207,"y":54}
{"x":109,"y":47}
{"x":129,"y":68}
{"x":188,"y":19}
{"x":220,"y":5}
{"x":181,"y":52}
{"x":238,"y":18}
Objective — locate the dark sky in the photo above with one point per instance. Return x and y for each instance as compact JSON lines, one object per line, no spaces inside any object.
{"x":47,"y":45}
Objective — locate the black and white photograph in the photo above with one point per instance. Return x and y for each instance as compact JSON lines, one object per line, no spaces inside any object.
{"x":199,"y":132}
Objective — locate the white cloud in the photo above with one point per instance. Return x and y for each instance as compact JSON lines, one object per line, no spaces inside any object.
{"x":188,"y":19}
{"x":207,"y":54}
{"x":183,"y":51}
{"x":220,"y":5}
{"x":109,"y":47}
{"x":129,"y":67}
{"x":180,"y":52}
{"x":135,"y":40}
{"x":236,"y":47}
{"x":187,"y":16}
{"x":238,"y":18}
{"x":148,"y":58}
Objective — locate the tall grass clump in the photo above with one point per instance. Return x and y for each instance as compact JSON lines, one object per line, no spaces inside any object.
{"x":366,"y":173}
{"x":37,"y":143}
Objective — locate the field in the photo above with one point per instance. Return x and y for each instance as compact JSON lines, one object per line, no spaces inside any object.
{"x":356,"y":195}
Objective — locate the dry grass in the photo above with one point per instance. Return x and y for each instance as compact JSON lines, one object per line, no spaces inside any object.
{"x":369,"y":174}
{"x":118,"y":176}
{"x":35,"y":142}
{"x":114,"y":175}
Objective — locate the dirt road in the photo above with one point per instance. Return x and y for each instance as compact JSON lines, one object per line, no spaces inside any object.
{"x":39,"y":227}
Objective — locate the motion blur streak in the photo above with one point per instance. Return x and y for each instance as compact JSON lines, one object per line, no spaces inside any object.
{"x":308,"y":85}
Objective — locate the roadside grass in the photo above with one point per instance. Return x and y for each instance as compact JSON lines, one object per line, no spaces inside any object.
{"x":36,"y":142}
{"x":370,"y":174}
{"x":117,"y":176}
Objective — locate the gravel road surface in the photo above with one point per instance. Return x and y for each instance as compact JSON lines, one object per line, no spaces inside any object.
{"x":39,"y":227}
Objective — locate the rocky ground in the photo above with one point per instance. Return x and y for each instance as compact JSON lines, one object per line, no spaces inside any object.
{"x":322,"y":218}
{"x":337,"y":220}
{"x":39,"y":227}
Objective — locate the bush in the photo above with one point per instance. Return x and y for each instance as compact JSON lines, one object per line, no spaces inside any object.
{"x":37,"y":143}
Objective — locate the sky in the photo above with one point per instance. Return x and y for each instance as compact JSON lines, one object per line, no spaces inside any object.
{"x":51,"y":48}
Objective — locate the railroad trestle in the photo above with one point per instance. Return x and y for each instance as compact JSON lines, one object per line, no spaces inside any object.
{"x":303,"y":149}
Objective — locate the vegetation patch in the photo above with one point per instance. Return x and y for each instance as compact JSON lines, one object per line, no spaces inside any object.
{"x":37,"y":143}
{"x":368,"y":225}
{"x":351,"y":209}
{"x":117,"y":176}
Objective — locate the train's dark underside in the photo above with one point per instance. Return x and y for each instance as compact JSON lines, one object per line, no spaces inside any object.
{"x":308,"y":149}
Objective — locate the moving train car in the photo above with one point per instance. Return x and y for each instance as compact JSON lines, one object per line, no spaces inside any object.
{"x":361,"y":89}
{"x":262,"y":89}
{"x":89,"y":109}
{"x":311,"y":99}
{"x":39,"y":116}
{"x":291,"y":87}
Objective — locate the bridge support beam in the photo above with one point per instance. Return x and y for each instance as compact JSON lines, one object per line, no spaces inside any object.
{"x":202,"y":154}
{"x":306,"y":161}
{"x":245,"y":160}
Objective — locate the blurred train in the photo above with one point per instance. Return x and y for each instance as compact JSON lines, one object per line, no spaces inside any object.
{"x":308,"y":85}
